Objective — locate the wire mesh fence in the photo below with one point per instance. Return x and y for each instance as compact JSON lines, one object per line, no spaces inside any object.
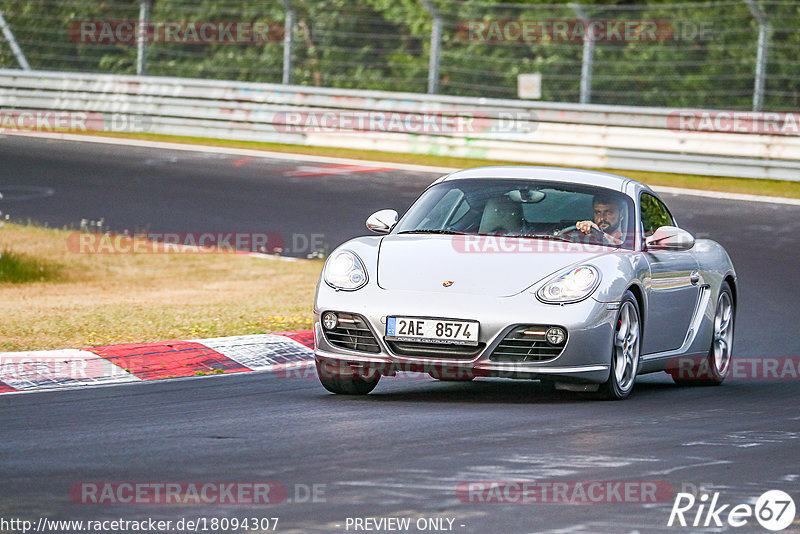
{"x":731,"y":54}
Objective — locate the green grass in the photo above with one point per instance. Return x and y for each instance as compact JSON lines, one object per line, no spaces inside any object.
{"x":52,"y":297}
{"x":19,"y":268}
{"x":777,"y":188}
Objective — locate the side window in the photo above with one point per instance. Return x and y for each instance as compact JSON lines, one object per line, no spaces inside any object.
{"x":654,"y":214}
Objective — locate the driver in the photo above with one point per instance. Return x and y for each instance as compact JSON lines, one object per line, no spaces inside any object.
{"x":607,"y":219}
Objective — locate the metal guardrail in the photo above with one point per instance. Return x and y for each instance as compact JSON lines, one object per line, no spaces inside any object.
{"x":614,"y":137}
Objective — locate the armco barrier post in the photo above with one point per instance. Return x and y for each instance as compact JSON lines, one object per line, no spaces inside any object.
{"x":288,"y":42}
{"x":761,"y":57}
{"x":436,"y":45}
{"x":588,"y":56}
{"x":141,"y":37}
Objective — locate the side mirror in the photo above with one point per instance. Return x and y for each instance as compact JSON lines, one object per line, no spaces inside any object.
{"x":382,"y":222}
{"x":670,"y":238}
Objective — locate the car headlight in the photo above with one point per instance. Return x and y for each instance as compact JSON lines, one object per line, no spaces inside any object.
{"x":572,"y":286}
{"x":344,"y":270}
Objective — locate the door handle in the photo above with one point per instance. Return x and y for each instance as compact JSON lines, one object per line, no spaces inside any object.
{"x":694,"y":277}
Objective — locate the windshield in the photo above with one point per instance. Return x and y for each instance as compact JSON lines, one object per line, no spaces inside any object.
{"x":523,"y":208}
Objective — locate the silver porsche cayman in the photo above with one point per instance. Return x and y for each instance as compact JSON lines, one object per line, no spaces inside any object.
{"x":580,"y":279}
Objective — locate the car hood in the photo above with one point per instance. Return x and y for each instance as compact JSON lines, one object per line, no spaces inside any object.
{"x":480,"y":265}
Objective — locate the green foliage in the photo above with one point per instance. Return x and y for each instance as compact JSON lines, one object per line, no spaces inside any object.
{"x":18,"y":268}
{"x":709,"y":60}
{"x":653,"y":215}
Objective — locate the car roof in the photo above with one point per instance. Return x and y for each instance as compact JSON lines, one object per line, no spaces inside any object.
{"x":550,"y":174}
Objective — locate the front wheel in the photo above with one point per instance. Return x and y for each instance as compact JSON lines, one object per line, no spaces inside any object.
{"x":342,"y":379}
{"x":625,"y":351}
{"x":714,"y":368}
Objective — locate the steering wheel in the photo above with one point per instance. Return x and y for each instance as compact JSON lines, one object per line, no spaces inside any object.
{"x":592,"y":230}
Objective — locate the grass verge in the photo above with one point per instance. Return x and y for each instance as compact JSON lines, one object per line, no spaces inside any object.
{"x":777,"y":188}
{"x":83,"y":300}
{"x":16,"y":268}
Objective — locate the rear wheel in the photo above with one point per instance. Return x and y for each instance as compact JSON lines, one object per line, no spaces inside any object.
{"x":625,"y":351}
{"x":343,"y":379}
{"x":713,"y":370}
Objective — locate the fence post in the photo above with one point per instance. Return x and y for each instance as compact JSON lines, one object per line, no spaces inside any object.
{"x":588,"y":55}
{"x":12,"y":42}
{"x":142,"y":36}
{"x":761,"y":57}
{"x":436,"y":44}
{"x":288,"y":42}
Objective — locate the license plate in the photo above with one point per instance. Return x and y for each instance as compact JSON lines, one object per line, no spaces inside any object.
{"x":432,"y":330}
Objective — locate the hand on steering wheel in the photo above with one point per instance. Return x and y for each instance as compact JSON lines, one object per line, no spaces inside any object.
{"x":574,"y":228}
{"x":593,"y":229}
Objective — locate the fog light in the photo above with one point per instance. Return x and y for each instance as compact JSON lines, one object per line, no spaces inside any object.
{"x":329,"y":320}
{"x":555,"y":335}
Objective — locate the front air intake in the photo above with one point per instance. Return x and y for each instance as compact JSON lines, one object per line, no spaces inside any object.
{"x":527,"y":343}
{"x":352,"y":333}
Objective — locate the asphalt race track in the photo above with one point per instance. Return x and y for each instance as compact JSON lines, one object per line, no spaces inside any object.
{"x":404,"y":450}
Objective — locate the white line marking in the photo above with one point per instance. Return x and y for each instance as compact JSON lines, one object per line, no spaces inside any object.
{"x":48,"y":370}
{"x":58,"y":368}
{"x":262,"y":351}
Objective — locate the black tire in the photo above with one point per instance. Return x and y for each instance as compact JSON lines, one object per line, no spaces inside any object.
{"x":715,"y":366}
{"x":625,"y":350}
{"x":343,"y":380}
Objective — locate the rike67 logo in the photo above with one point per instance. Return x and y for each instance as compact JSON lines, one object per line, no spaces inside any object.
{"x":774,"y":510}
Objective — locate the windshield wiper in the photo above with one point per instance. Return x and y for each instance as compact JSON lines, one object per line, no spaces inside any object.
{"x":541,"y":236}
{"x":559,"y":238}
{"x":448,"y":232}
{"x":455,"y":232}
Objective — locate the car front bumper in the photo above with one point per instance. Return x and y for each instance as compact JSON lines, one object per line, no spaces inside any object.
{"x":585,"y":357}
